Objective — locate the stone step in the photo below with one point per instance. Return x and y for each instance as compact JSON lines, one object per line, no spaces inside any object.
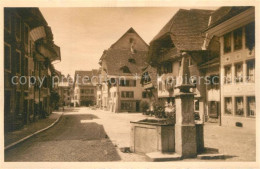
{"x":159,"y":156}
{"x":210,"y":156}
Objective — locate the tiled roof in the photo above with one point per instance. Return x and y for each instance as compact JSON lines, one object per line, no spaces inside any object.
{"x":80,"y":74}
{"x":224,"y":13}
{"x":116,"y":59}
{"x":186,"y":28}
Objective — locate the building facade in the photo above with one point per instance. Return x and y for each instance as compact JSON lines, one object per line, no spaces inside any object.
{"x":121,"y":87}
{"x":65,"y":90}
{"x":181,"y":37}
{"x":28,"y":52}
{"x":235,"y":28}
{"x":85,"y":88}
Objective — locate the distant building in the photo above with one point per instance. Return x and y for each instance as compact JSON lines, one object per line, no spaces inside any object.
{"x":29,"y":51}
{"x":235,"y":28}
{"x":122,"y":65}
{"x":85,"y":89}
{"x":65,"y":90}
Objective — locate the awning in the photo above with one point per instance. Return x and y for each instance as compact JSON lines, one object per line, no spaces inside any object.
{"x":48,"y":50}
{"x":38,"y":33}
{"x":41,"y":32}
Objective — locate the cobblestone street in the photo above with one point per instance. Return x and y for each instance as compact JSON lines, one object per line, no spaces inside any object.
{"x":96,"y":135}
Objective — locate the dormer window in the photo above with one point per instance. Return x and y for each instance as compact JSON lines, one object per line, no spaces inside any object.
{"x":131,"y":60}
{"x":125,"y":69}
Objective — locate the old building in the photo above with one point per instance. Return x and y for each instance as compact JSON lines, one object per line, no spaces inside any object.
{"x":235,"y":28}
{"x":65,"y":90}
{"x":28,"y":52}
{"x":121,"y":69}
{"x":85,"y":88}
{"x":181,"y":37}
{"x":149,"y":82}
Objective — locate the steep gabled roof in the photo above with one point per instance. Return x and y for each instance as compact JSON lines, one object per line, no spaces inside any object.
{"x":80,"y":74}
{"x":116,"y":59}
{"x":130,"y":30}
{"x":121,"y":57}
{"x":224,"y":13}
{"x":186,"y":29}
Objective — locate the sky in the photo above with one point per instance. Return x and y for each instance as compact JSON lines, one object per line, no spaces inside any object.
{"x":84,"y":33}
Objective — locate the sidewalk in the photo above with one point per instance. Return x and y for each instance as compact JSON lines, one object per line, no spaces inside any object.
{"x":27,"y":130}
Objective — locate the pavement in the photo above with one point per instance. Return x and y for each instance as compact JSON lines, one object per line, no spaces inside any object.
{"x":14,"y":137}
{"x":83,"y":134}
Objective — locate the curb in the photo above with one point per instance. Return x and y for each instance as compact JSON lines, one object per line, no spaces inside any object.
{"x":31,"y":135}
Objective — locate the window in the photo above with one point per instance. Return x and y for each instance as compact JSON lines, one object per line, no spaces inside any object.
{"x":239,"y":72}
{"x":92,"y":91}
{"x":251,"y":71}
{"x":7,"y":21}
{"x":237,"y":39}
{"x":18,"y":62}
{"x":228,"y":105}
{"x":82,"y":91}
{"x":122,"y":94}
{"x":160,"y":85}
{"x":127,"y":94}
{"x":227,"y":43}
{"x":125,"y":69}
{"x":131,"y":60}
{"x":18,"y":27}
{"x":26,"y":66}
{"x":251,"y":107}
{"x":144,"y":94}
{"x":7,"y":57}
{"x":239,"y":106}
{"x":128,"y":83}
{"x":196,"y":105}
{"x":26,"y":34}
{"x":228,"y":74}
{"x":190,"y":61}
{"x":126,"y":105}
{"x":18,"y":99}
{"x":250,"y":35}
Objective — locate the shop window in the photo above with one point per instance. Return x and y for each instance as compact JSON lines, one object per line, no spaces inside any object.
{"x":239,"y":106}
{"x":250,"y":35}
{"x":237,"y":39}
{"x":227,"y":43}
{"x":7,"y":57}
{"x":126,"y":105}
{"x":228,"y":74}
{"x":18,"y":62}
{"x":18,"y":27}
{"x":239,"y":72}
{"x":251,"y":107}
{"x":251,"y":71}
{"x":228,"y":105}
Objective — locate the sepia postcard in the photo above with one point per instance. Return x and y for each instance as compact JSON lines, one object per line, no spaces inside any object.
{"x":129,"y":84}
